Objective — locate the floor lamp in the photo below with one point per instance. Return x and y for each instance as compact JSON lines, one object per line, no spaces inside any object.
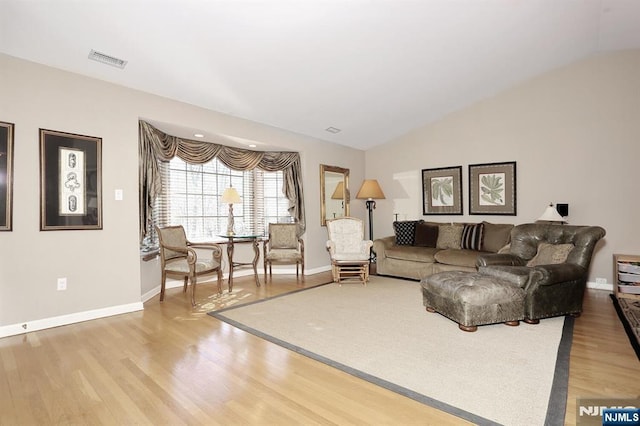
{"x":370,"y":191}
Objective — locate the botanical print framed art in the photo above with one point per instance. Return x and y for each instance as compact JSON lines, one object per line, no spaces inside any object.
{"x":492,"y":188}
{"x":6,"y":176}
{"x":70,"y":181}
{"x":442,"y":191}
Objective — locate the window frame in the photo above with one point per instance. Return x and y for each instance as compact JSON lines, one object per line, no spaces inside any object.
{"x":258,"y":189}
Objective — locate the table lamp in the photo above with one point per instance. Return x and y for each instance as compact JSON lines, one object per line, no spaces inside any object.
{"x":230,"y":196}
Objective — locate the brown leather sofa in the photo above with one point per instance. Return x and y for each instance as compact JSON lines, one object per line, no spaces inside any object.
{"x":553,"y":286}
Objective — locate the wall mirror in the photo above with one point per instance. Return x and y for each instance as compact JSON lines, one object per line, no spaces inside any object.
{"x":334,"y":193}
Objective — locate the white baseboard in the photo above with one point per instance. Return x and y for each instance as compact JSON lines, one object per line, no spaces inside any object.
{"x":41,"y":324}
{"x":317,"y":270}
{"x":596,"y":286}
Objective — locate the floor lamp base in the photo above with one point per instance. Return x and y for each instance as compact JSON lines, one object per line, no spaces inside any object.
{"x":371,"y":204}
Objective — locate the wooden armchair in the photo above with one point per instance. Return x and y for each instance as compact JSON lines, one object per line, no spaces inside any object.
{"x":283,"y":246}
{"x":179,"y":258}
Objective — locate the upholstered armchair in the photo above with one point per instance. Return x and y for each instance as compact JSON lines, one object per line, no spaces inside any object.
{"x":283,"y":246}
{"x":178,"y":257}
{"x":349,"y":251}
{"x":550,"y":262}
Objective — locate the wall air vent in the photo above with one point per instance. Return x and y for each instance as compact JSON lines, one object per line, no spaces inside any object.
{"x":106,"y":59}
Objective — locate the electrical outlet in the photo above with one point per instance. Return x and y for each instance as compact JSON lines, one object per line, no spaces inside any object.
{"x":62,"y":284}
{"x":601,"y":280}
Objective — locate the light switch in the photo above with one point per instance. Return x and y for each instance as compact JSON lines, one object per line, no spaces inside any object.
{"x":119,"y":194}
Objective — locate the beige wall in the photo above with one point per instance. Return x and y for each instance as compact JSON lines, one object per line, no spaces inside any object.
{"x":103,"y":267}
{"x":575,"y":134}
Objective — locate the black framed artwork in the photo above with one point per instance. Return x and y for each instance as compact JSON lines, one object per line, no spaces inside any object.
{"x":492,"y":188}
{"x":6,"y":176}
{"x":70,"y":181}
{"x":442,"y":191}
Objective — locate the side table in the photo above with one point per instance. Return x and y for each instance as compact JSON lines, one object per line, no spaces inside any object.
{"x":235,"y":239}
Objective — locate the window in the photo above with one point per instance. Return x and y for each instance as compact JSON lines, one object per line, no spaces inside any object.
{"x":191,"y":197}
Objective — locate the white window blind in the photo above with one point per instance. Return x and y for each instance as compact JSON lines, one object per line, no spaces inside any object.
{"x":191,"y":197}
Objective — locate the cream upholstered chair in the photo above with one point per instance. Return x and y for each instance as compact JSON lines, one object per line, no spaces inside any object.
{"x":178,"y":257}
{"x":283,"y":246}
{"x":349,"y":251}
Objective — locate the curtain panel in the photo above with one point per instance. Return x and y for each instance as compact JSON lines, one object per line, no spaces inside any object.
{"x":155,"y":146}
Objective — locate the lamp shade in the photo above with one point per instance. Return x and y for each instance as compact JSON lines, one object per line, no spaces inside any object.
{"x":338,"y":193}
{"x":370,"y":190}
{"x":551,"y":215}
{"x":231,"y":196}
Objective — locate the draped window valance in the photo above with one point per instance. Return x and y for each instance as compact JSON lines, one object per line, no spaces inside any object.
{"x":155,"y":146}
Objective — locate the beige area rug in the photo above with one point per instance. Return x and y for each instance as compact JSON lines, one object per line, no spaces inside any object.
{"x":383,"y":334}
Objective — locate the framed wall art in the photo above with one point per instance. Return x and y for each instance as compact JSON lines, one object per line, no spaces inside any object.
{"x":442,"y":191}
{"x":6,"y":176}
{"x":70,"y":181}
{"x":492,"y":188}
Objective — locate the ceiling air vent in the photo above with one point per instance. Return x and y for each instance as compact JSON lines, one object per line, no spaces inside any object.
{"x":106,"y":59}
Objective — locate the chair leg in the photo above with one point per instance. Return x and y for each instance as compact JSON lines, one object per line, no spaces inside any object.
{"x":302,"y":268}
{"x":219,"y":281}
{"x":162,"y":285}
{"x":186,"y":281}
{"x":193,"y":290}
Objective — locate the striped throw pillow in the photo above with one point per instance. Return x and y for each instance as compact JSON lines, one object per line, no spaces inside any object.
{"x":472,"y":237}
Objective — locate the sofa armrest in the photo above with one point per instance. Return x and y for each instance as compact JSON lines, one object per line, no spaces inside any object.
{"x":504,"y":259}
{"x":516,"y":275}
{"x":560,"y":273}
{"x":381,"y":244}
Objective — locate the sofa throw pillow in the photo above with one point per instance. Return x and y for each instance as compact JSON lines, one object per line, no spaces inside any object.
{"x":472,"y":237}
{"x":405,"y":231}
{"x":495,"y":236}
{"x":426,"y":235}
{"x":449,"y":236}
{"x":551,"y":254}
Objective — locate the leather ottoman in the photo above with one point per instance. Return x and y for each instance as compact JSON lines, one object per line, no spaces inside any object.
{"x":472,"y":299}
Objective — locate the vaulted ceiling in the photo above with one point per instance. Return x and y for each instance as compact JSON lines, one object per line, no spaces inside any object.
{"x":374,"y":69}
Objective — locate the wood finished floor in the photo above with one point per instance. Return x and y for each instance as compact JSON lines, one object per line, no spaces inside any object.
{"x":171,"y":364}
